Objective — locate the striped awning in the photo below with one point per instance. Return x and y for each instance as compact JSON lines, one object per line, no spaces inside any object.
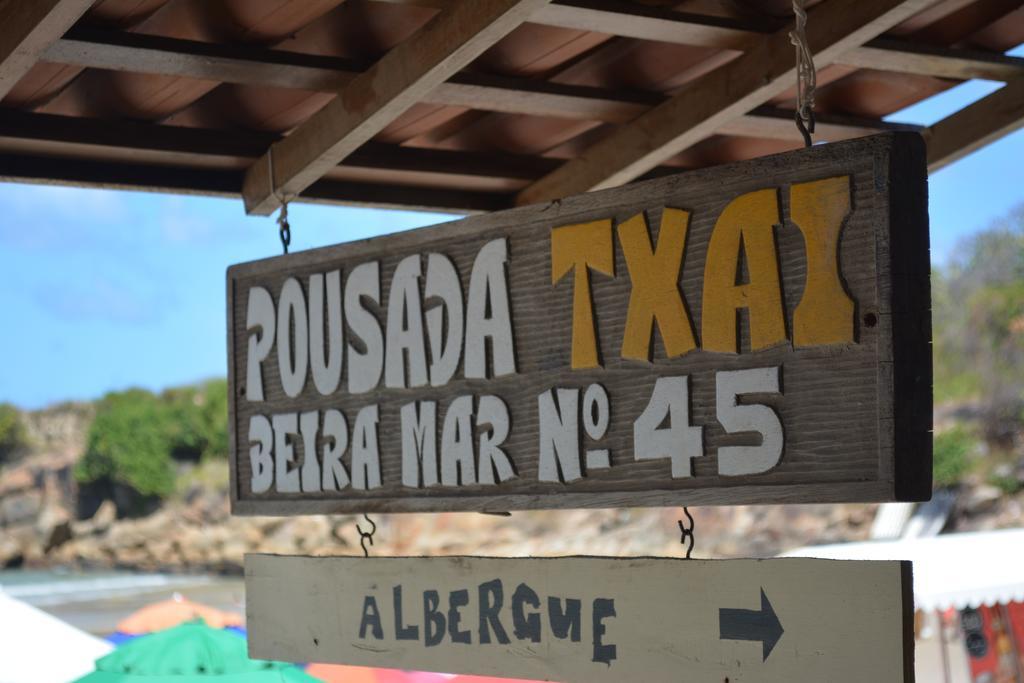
{"x":955,"y":570}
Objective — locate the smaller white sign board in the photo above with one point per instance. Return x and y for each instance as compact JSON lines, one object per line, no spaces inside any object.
{"x":589,"y":620}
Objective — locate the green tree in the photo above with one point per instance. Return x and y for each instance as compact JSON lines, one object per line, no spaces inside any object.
{"x":978,"y":320}
{"x":951,"y":456}
{"x":199,"y":420}
{"x":129,"y":443}
{"x":137,"y":437}
{"x":13,"y":436}
{"x":214,"y":409}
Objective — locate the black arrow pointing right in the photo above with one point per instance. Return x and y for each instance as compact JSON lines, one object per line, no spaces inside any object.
{"x":747,"y":624}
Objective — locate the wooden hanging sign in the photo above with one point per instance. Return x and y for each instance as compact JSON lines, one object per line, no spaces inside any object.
{"x":589,"y":619}
{"x":751,"y":333}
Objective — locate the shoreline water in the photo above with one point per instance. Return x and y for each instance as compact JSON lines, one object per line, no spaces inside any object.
{"x":95,"y":601}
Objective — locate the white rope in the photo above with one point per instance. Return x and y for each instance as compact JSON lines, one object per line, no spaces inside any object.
{"x":806,"y":75}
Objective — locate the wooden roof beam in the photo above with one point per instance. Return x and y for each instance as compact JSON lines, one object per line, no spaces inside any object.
{"x":373,"y":99}
{"x":708,"y":103}
{"x":928,"y":60}
{"x":631,"y":20}
{"x":259,"y":66}
{"x":186,"y":145}
{"x":78,"y":172}
{"x":643,"y":22}
{"x":121,"y":51}
{"x":777,"y":124}
{"x":976,"y":125}
{"x":27,"y":28}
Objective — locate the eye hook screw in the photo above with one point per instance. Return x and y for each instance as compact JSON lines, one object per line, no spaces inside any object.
{"x":687,"y":532}
{"x":366,"y":536}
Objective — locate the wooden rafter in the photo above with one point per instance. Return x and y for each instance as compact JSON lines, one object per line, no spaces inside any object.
{"x":373,"y":99}
{"x":259,"y":66}
{"x":225,"y":183}
{"x":723,"y":95}
{"x":153,"y":143}
{"x":142,"y":53}
{"x":144,"y":141}
{"x":976,"y":125}
{"x":777,"y":124}
{"x":632,"y":20}
{"x":643,"y":22}
{"x":928,"y":60}
{"x":27,"y":28}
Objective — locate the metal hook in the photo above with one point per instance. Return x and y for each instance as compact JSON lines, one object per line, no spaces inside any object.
{"x":687,"y":533}
{"x":806,"y":129}
{"x":364,"y":536}
{"x":285,"y":228}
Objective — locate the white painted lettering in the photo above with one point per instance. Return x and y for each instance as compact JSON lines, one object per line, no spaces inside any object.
{"x":488,"y":292}
{"x":419,"y":444}
{"x":365,"y":452}
{"x":457,"y":466}
{"x":405,"y":328}
{"x":259,"y":314}
{"x":326,"y":362}
{"x":365,"y":364}
{"x":445,"y":340}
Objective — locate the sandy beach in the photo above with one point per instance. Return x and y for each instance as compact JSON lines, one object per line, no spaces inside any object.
{"x":97,"y":601}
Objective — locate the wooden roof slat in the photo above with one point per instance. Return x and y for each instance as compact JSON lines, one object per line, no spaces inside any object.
{"x":184,"y":142}
{"x":723,"y":95}
{"x":141,"y":53}
{"x":242,"y":64}
{"x":259,"y":66}
{"x":976,"y":125}
{"x":223,"y":183}
{"x":27,"y":28}
{"x":928,"y":60}
{"x":400,"y":79}
{"x":119,"y":51}
{"x":643,"y":22}
{"x":778,"y":124}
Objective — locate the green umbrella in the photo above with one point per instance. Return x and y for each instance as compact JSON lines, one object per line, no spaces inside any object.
{"x":190,"y":652}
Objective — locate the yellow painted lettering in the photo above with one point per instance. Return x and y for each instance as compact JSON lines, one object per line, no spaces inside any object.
{"x":581,"y":247}
{"x":825,"y":312}
{"x":655,"y":294}
{"x":745,"y":229}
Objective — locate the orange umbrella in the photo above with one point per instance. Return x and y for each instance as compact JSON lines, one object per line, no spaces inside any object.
{"x":177,"y":610}
{"x":487,"y":679}
{"x":339,"y":673}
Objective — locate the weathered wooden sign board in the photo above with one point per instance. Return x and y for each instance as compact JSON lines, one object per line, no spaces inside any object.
{"x":751,"y":333}
{"x":587,"y":620}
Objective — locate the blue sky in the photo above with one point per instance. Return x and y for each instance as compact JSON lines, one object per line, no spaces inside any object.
{"x":104,"y":290}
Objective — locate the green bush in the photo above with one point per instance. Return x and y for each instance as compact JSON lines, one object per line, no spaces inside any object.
{"x":951,"y":456}
{"x":1009,"y":485}
{"x":978,"y":319}
{"x":13,"y":436}
{"x":129,"y":443}
{"x":199,"y":418}
{"x":137,"y":436}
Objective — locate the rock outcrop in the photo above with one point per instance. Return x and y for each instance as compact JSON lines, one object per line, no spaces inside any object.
{"x":38,"y":525}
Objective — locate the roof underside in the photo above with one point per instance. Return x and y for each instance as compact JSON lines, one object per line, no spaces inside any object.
{"x":189,"y":95}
